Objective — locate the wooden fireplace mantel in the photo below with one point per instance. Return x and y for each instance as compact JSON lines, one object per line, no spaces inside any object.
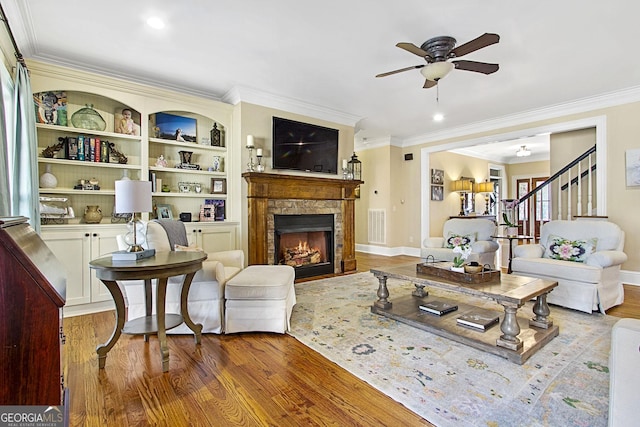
{"x":263,"y":187}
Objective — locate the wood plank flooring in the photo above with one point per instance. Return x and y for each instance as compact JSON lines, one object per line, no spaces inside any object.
{"x":240,"y":380}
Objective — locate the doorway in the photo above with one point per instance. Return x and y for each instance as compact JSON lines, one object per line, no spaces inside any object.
{"x":535,"y":211}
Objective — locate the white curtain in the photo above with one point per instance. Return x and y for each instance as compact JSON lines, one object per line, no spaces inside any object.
{"x":6,"y":126}
{"x":23,"y":176}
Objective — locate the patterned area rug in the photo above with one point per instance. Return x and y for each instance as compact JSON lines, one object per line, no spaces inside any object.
{"x":566,"y":383}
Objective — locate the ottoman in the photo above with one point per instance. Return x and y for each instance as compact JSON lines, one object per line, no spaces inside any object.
{"x":260,"y":298}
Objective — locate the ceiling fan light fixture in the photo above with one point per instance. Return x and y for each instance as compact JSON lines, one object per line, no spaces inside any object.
{"x":523,"y":151}
{"x":436,"y":70}
{"x":438,"y":117}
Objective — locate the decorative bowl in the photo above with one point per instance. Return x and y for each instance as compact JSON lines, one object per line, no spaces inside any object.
{"x":472,"y":268}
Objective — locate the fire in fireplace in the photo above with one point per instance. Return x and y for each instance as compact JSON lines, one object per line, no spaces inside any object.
{"x":305,"y":242}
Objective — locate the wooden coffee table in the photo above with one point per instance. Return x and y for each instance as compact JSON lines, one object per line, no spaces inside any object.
{"x":517,"y":339}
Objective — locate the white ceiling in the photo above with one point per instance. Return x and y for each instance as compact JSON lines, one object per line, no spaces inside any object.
{"x":320,"y":58}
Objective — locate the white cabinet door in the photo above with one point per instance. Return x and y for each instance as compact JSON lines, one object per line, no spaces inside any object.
{"x":73,"y":250}
{"x":213,"y":237}
{"x":102,"y":242}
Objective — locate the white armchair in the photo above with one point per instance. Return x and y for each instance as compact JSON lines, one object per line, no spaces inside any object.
{"x":478,"y":230}
{"x":583,"y":256}
{"x":206,"y":295}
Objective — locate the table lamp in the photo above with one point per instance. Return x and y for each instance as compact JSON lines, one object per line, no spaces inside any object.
{"x":463,"y":186}
{"x":485,"y":188}
{"x":132,"y":197}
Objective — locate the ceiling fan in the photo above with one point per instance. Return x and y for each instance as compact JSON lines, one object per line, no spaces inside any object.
{"x":437,"y":52}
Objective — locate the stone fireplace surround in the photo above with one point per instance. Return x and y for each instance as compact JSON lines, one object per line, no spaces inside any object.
{"x":279,"y":194}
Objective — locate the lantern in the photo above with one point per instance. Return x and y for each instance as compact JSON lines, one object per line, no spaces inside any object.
{"x":354,"y":168}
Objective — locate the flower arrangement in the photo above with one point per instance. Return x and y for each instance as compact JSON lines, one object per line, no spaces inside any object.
{"x":464,"y":251}
{"x":508,"y":214}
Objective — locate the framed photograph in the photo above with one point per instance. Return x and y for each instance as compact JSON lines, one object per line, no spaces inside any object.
{"x":437,"y":193}
{"x":176,"y":128}
{"x":633,"y":167}
{"x":164,"y":211}
{"x":51,"y":108}
{"x":126,"y":121}
{"x":437,"y":177}
{"x":218,"y":186}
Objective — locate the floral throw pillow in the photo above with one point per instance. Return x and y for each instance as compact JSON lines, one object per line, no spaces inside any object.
{"x":570,"y":250}
{"x":454,"y":240}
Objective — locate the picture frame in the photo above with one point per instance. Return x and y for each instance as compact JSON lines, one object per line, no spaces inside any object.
{"x":164,"y":211}
{"x":176,"y":128}
{"x":51,"y":107}
{"x":218,"y":186}
{"x":632,"y":167}
{"x":437,"y":177}
{"x":129,"y":125}
{"x":437,"y":193}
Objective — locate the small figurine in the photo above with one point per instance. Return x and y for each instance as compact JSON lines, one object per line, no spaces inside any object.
{"x":178,"y":135}
{"x":161,"y":162}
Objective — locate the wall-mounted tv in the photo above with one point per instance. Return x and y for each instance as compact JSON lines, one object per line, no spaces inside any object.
{"x":304,"y":147}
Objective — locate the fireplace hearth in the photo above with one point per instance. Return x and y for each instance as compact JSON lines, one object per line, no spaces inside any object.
{"x":305,"y":242}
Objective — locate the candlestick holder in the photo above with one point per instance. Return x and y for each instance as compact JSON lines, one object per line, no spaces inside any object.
{"x":259,"y":167}
{"x":345,"y":173}
{"x":251,"y":167}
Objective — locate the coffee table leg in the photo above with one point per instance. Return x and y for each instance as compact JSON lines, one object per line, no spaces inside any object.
{"x":184,"y":309}
{"x":541,"y":311}
{"x":510,"y":329}
{"x":383,"y":294}
{"x":419,"y":291}
{"x":161,"y":295}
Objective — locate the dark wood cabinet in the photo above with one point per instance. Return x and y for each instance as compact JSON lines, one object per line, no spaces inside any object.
{"x":32,"y":294}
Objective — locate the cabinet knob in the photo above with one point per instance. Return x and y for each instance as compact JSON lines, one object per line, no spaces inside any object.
{"x":87,"y":234}
{"x":95,"y":234}
{"x":199,"y":231}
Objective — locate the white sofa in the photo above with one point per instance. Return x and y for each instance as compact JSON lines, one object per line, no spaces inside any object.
{"x":590,"y":285}
{"x":206,"y":295}
{"x":483,"y":248}
{"x":624,"y":383}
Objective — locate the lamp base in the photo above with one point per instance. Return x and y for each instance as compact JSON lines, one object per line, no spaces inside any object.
{"x":135,"y":248}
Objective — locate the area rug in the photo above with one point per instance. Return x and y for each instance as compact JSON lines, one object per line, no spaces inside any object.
{"x":566,"y":383}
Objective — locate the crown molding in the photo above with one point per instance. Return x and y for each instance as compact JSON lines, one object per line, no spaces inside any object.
{"x":583,"y":105}
{"x":265,"y":99}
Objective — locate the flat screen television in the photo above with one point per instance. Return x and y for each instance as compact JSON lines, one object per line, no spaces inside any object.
{"x":304,"y":147}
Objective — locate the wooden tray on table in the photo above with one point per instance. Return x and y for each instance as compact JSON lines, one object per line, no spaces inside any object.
{"x":442,"y":269}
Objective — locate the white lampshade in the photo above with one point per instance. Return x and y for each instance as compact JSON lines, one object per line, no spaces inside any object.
{"x":133,"y":196}
{"x":436,"y":70}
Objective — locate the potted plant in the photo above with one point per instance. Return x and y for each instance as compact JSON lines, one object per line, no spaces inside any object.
{"x":458,"y":261}
{"x":508,"y":217}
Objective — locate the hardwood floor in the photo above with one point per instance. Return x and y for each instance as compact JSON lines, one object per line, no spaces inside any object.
{"x":241,"y":380}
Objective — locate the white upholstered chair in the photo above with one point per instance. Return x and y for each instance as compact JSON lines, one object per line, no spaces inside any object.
{"x":479,"y":230}
{"x":206,"y":295}
{"x":583,"y":256}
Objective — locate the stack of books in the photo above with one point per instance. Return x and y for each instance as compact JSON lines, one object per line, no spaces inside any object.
{"x":480,"y":320}
{"x":438,"y":307}
{"x":132,"y":256}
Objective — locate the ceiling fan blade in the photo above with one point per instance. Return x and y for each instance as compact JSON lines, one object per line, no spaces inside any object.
{"x":410,"y":47}
{"x":429,"y":83}
{"x":478,"y":67}
{"x":487,"y":39}
{"x":388,"y":73}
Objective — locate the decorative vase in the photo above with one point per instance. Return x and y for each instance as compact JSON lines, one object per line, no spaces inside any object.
{"x":88,"y":118}
{"x":93,"y":214}
{"x":512,"y":231}
{"x":47,"y":179}
{"x":458,"y":269}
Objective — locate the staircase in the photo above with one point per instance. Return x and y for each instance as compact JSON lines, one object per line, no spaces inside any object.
{"x":572,"y":190}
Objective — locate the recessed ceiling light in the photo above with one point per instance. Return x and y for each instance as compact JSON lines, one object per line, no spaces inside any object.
{"x":155,"y":22}
{"x":438,"y":117}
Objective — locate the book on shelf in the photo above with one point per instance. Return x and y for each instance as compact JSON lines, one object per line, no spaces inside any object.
{"x":132,"y":256}
{"x":438,"y":307}
{"x":480,"y":319}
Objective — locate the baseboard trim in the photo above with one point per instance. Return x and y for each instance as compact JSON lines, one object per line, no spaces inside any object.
{"x":630,"y":277}
{"x":82,"y":309}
